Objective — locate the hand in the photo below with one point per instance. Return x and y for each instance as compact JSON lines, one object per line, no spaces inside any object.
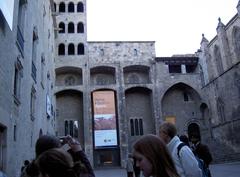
{"x":73,"y":143}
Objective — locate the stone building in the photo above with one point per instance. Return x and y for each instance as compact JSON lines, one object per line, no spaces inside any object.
{"x":27,"y":100}
{"x":220,"y":70}
{"x":110,"y":87}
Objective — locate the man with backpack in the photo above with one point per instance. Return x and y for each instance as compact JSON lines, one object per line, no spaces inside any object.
{"x":202,"y":152}
{"x":185,"y":161}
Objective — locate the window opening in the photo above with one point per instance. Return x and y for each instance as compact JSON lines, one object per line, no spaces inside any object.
{"x":71,"y":50}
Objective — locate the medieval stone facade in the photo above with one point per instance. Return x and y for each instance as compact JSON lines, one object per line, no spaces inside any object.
{"x":27,"y":100}
{"x":52,"y":66}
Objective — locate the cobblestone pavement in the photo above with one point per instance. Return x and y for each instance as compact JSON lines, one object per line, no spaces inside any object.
{"x":217,"y":170}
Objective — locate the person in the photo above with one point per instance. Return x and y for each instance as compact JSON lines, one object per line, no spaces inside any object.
{"x":43,"y":143}
{"x":2,"y":174}
{"x":129,"y":166}
{"x":46,"y":142}
{"x":184,"y":139}
{"x":136,"y":168}
{"x":57,"y":162}
{"x":153,"y":158}
{"x":185,"y":161}
{"x":201,"y":150}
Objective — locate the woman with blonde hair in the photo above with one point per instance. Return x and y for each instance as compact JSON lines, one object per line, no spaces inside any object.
{"x":153,"y":158}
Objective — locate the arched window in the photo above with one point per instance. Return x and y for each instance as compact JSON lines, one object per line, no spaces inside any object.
{"x":221,"y":109}
{"x":61,"y":49}
{"x":236,"y":40}
{"x":80,"y":28}
{"x":71,"y":7}
{"x":62,"y":27}
{"x":71,"y":27}
{"x":71,"y":50}
{"x":55,"y":6}
{"x":80,"y":7}
{"x":80,"y":49}
{"x":218,"y":59}
{"x":62,"y":7}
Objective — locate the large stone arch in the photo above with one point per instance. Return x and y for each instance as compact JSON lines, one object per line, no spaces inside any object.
{"x":68,"y":76}
{"x":69,"y":104}
{"x":136,"y":74}
{"x":181,"y":104}
{"x":102,"y":75}
{"x":139,"y":113}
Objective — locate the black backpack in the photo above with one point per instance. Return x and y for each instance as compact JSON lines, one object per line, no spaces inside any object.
{"x":201,"y":164}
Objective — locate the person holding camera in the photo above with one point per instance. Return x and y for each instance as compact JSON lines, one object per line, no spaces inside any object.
{"x":47,"y":142}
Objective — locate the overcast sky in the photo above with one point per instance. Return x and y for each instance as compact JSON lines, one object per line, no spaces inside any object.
{"x":175,"y":25}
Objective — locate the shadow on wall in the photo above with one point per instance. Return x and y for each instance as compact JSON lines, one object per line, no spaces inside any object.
{"x":2,"y":21}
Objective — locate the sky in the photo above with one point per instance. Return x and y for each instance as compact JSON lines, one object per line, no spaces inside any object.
{"x":7,"y":9}
{"x":175,"y":25}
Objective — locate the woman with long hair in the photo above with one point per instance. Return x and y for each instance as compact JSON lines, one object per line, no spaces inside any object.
{"x":57,"y":163}
{"x":153,"y":158}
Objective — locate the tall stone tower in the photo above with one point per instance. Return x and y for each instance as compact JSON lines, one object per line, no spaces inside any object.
{"x":71,"y":70}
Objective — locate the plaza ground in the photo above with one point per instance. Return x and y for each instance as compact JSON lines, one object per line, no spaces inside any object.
{"x":217,"y":170}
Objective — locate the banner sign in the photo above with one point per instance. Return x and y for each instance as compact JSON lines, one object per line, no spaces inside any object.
{"x":105,"y":127}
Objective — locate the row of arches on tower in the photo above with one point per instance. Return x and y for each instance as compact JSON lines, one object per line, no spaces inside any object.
{"x":103,"y":75}
{"x":70,"y":7}
{"x":71,"y":49}
{"x":71,"y":27}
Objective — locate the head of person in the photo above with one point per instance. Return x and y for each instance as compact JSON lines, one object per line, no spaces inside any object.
{"x":167,"y":131}
{"x":46,"y":142}
{"x":195,"y":139}
{"x":153,"y":158}
{"x":56,"y":163}
{"x":184,"y":139}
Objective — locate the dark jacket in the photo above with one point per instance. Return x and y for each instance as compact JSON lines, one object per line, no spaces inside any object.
{"x":202,"y":151}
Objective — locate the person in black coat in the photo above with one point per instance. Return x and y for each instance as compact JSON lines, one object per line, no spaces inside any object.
{"x":201,"y":150}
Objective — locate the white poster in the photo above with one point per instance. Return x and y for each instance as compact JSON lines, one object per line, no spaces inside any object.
{"x":105,"y":129}
{"x":7,"y":6}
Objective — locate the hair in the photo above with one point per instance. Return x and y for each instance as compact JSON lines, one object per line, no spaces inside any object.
{"x":169,"y":129}
{"x":184,"y":139}
{"x":46,"y":142}
{"x":57,"y":163}
{"x":153,"y":148}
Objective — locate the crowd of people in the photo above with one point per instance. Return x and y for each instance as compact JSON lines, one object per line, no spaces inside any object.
{"x":162,"y":155}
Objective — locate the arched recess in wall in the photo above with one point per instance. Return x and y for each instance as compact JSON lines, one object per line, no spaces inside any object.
{"x":68,"y":76}
{"x":61,"y":27}
{"x":180,"y":105}
{"x":61,"y":49}
{"x":236,"y":41}
{"x":193,"y":131}
{"x":62,"y":7}
{"x":136,"y":74}
{"x":81,"y":49}
{"x":205,"y":115}
{"x":80,"y":7}
{"x":70,"y":27}
{"x":218,"y":59}
{"x":71,"y":7}
{"x":139,"y":113}
{"x":80,"y":27}
{"x":102,"y":75}
{"x":71,"y":49}
{"x":69,"y":104}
